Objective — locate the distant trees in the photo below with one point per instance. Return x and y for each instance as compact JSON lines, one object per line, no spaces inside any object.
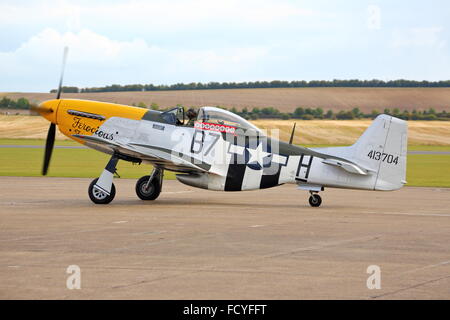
{"x":355,"y":113}
{"x":265,"y":84}
{"x":299,"y":113}
{"x":21,"y":103}
{"x":66,"y":90}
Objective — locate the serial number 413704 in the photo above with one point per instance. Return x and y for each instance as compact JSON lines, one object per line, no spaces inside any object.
{"x":384,"y":157}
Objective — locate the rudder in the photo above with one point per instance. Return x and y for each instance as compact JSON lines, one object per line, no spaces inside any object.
{"x":383,"y":147}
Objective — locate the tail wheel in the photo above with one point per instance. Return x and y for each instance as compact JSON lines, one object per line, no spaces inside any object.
{"x":100,"y":197}
{"x":315,"y":200}
{"x":146,"y":190}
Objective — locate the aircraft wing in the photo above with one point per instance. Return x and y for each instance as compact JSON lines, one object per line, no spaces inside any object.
{"x":155,"y":155}
{"x":169,"y":155}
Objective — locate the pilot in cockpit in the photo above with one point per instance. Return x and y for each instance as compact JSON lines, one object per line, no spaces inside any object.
{"x":192,"y":116}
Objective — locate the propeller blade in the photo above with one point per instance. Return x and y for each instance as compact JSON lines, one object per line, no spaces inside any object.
{"x":52,"y":129}
{"x":66,"y":51}
{"x":49,"y":147}
{"x":34,"y":110}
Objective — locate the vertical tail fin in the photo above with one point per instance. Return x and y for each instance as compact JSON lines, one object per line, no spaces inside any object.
{"x":383,"y":147}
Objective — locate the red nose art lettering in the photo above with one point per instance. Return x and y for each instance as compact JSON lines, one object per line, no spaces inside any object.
{"x":215,"y":127}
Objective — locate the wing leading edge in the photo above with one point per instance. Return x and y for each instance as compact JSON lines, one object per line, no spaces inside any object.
{"x":155,"y":155}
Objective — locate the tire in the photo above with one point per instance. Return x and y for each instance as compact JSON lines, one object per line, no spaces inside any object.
{"x":153,"y":191}
{"x":99,"y":197}
{"x":315,"y":201}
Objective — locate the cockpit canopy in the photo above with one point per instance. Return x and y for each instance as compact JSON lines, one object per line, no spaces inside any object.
{"x":217,"y":116}
{"x":174,"y":116}
{"x":209,"y":118}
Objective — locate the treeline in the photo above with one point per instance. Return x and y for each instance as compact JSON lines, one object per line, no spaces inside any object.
{"x":21,"y":103}
{"x":318,"y":113}
{"x":299,"y":113}
{"x":264,"y":84}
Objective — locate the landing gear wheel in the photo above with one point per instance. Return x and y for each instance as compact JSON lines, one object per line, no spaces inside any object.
{"x":148,"y":191}
{"x":315,"y":200}
{"x":100,"y":197}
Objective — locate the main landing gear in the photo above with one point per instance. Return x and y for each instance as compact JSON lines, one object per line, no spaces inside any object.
{"x":315,"y":200}
{"x":149,"y":187}
{"x":102,"y":189}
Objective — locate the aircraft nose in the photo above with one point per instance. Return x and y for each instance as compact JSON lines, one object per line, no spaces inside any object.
{"x":47,"y":109}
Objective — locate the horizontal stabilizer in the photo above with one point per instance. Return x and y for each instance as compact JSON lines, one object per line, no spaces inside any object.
{"x":347,"y":166}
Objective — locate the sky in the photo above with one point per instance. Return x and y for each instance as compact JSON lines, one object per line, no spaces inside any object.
{"x":167,"y":42}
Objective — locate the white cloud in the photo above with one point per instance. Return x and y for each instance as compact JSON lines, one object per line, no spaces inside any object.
{"x":419,"y":37}
{"x":150,"y":14}
{"x":374,"y":18}
{"x":157,"y":41}
{"x":97,"y":60}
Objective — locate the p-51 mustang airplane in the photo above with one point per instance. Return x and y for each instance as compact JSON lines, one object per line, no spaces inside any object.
{"x":222,"y":151}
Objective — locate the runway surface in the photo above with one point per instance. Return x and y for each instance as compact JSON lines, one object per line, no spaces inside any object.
{"x":195,"y":244}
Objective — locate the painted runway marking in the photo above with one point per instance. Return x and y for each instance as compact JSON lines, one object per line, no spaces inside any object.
{"x":57,"y":234}
{"x":410,"y":214}
{"x":150,"y":233}
{"x":410,"y":287}
{"x":430,"y":152}
{"x":427,"y":267}
{"x":324,"y":245}
{"x":176,"y":192}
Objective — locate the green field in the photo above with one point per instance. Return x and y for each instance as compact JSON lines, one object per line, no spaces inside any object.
{"x":423,"y":170}
{"x":81,"y":163}
{"x":36,"y":142}
{"x":428,"y":171}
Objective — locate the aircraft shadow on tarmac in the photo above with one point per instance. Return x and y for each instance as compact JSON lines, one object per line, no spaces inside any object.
{"x":179,"y":203}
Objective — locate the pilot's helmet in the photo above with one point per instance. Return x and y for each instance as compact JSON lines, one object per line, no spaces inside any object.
{"x":191,"y":113}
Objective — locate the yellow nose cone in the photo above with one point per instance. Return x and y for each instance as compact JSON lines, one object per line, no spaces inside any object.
{"x":47,"y":109}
